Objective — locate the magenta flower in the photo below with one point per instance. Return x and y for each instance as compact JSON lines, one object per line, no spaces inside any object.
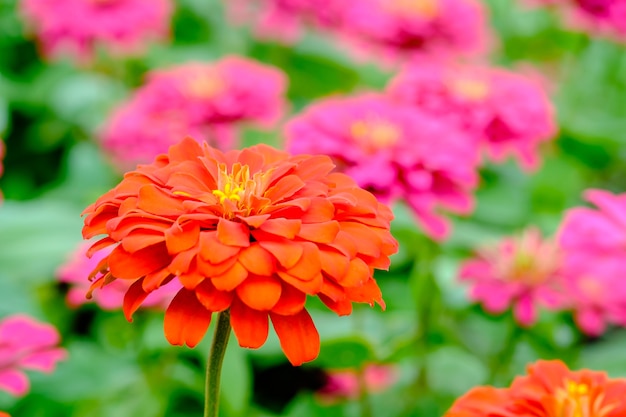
{"x":76,"y":271}
{"x":508,"y":113}
{"x":78,"y":27}
{"x":26,"y":344}
{"x":202,"y":100}
{"x":393,"y":151}
{"x":405,"y":28}
{"x":594,"y":244}
{"x":523,"y":272}
{"x":344,"y":384}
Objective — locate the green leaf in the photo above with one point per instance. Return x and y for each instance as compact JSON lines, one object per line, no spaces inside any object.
{"x":452,"y":370}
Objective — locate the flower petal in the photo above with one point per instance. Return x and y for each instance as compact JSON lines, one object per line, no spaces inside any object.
{"x":250,"y":326}
{"x":259,"y":292}
{"x":233,"y":233}
{"x":125,"y":265}
{"x":291,"y":301}
{"x":135,"y":295}
{"x":298,"y":336}
{"x":211,"y":298}
{"x":186,"y":320}
{"x":257,"y":260}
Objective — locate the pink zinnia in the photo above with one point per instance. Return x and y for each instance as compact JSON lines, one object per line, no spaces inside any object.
{"x":522,"y":272}
{"x":404,"y":28}
{"x":78,"y":27}
{"x":594,"y":244}
{"x":393,"y":151}
{"x":603,"y":17}
{"x":26,"y":344}
{"x":345,"y":385}
{"x":508,"y":113}
{"x":77,"y":270}
{"x":202,"y":100}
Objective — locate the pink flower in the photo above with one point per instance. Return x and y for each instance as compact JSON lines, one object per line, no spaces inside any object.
{"x":404,"y":28}
{"x":78,"y":27}
{"x":283,"y":19}
{"x":508,"y":113}
{"x":110,"y":297}
{"x":26,"y":344}
{"x":600,"y":17}
{"x":344,"y":384}
{"x":594,"y":244}
{"x":393,"y":151}
{"x":522,"y":272}
{"x":202,"y":100}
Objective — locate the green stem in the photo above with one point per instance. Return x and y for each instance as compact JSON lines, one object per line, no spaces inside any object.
{"x":214,"y":365}
{"x":502,"y":361}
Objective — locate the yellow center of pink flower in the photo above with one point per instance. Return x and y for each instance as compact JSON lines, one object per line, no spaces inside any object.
{"x":375,"y":134}
{"x":469,"y":89}
{"x":422,"y":8}
{"x":204,"y":84}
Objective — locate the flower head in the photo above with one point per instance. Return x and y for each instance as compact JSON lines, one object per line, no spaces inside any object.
{"x":345,"y":385}
{"x":393,"y":151}
{"x":594,"y":245}
{"x":520,"y":272}
{"x":407,"y":28}
{"x":26,"y":344}
{"x":252,"y":231}
{"x":111,"y":297}
{"x":205,"y":100}
{"x":549,"y":390}
{"x":507,"y":113}
{"x":78,"y":27}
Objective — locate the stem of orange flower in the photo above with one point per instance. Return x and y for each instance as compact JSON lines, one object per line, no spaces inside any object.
{"x":214,"y":365}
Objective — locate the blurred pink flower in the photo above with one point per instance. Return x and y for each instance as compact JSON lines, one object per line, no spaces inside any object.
{"x":599,"y":17}
{"x":594,"y":244}
{"x":76,"y":272}
{"x":26,"y":344}
{"x":284,"y":20}
{"x":508,"y":113}
{"x":393,"y":151}
{"x":522,"y":272}
{"x":344,"y":384}
{"x":404,"y":28}
{"x":78,"y":27}
{"x":202,"y":100}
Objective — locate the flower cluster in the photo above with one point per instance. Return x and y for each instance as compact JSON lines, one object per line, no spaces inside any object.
{"x":394,"y":151}
{"x":505,"y":112}
{"x":395,"y":28}
{"x":76,"y":28}
{"x":549,"y":390}
{"x":204,"y":100}
{"x":252,"y":231}
{"x":26,"y":344}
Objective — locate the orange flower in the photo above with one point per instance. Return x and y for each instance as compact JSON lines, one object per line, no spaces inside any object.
{"x":549,"y":390}
{"x":253,"y":231}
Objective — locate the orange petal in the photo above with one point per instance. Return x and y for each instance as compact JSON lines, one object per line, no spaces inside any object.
{"x":314,"y":167}
{"x":136,"y":265}
{"x":233,"y":233}
{"x":287,"y":228}
{"x":286,"y":252}
{"x":135,"y":295}
{"x":291,"y":301}
{"x":139,"y":239}
{"x":154,"y":280}
{"x":191,"y":279}
{"x":259,"y":292}
{"x":212,"y":298}
{"x":182,"y":262}
{"x":254,"y":221}
{"x":334,"y":263}
{"x":186,"y":320}
{"x":366,"y":293}
{"x":209,"y":270}
{"x":250,"y":326}
{"x":186,"y":149}
{"x":284,"y":188}
{"x":213,"y":251}
{"x":319,"y":232}
{"x":309,"y":265}
{"x":357,"y":275}
{"x":257,"y":260}
{"x":312,"y":286}
{"x":298,"y":336}
{"x":366,"y":241}
{"x":319,"y":210}
{"x":155,"y":200}
{"x":100,"y":244}
{"x":230,"y":279}
{"x":341,"y":307}
{"x":179,"y":238}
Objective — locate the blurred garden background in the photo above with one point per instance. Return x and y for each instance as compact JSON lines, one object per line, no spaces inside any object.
{"x":434,"y":341}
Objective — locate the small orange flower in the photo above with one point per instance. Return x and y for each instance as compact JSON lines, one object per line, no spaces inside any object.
{"x":252,"y":231}
{"x":549,"y":390}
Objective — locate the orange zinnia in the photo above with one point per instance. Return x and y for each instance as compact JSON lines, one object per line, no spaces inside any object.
{"x":252,"y":232}
{"x":549,"y":390}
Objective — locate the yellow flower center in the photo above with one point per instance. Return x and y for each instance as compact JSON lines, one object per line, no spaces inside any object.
{"x":204,"y":84}
{"x":375,"y":134}
{"x":470,"y":89}
{"x":423,"y":8}
{"x":235,"y":185}
{"x":575,"y":399}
